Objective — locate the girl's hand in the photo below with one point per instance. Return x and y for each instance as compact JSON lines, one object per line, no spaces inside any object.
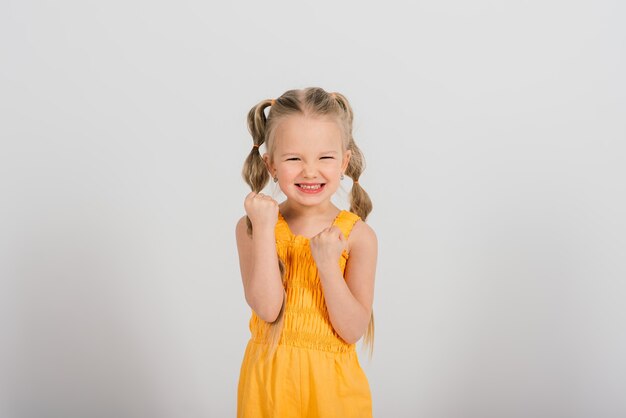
{"x":262,"y":210}
{"x":327,"y":246}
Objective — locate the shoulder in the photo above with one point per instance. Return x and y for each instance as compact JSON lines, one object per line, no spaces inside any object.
{"x":241,"y":223}
{"x":241,"y":228}
{"x":363,"y":231}
{"x":362,"y":237}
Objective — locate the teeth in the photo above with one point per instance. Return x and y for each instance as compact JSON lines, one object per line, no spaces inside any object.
{"x":304,"y":186}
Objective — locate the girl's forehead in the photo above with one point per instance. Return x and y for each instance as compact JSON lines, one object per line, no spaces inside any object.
{"x":307,"y":132}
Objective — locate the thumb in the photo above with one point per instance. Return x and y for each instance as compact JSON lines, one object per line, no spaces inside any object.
{"x":342,"y":237}
{"x":338,"y":232}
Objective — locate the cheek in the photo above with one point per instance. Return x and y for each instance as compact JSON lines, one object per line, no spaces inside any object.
{"x":333,"y":168}
{"x":286,"y":172}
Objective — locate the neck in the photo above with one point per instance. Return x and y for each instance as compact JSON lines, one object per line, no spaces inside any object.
{"x":298,"y":210}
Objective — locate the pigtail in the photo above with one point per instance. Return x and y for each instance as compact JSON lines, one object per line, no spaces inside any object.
{"x":254,"y":171}
{"x":360,"y":202}
{"x":255,"y":174}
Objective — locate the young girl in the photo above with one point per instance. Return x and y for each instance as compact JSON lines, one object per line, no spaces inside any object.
{"x":307,"y":267}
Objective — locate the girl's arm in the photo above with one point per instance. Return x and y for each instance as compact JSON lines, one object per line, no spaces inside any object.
{"x":349,"y":301}
{"x":258,"y":262}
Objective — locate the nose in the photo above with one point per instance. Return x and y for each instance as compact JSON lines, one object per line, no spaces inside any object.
{"x":309,"y":170}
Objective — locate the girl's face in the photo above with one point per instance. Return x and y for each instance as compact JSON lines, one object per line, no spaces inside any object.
{"x":308,"y":158}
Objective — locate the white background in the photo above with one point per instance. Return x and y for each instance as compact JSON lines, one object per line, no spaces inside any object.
{"x":493,"y":133}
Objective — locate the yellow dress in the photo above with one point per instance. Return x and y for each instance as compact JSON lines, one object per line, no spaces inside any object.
{"x":314,"y":373}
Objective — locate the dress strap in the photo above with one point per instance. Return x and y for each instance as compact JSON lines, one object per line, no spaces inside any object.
{"x":345,"y":221}
{"x":282,"y":229}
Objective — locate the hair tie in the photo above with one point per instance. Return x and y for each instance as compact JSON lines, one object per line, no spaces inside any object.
{"x":333,"y":96}
{"x":255,"y":146}
{"x":355,"y":182}
{"x":273,"y":101}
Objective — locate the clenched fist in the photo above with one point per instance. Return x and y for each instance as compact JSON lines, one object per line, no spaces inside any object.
{"x":261,"y":209}
{"x":327,"y":246}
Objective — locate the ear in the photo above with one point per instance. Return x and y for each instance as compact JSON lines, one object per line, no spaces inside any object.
{"x":268,"y":163}
{"x":346,"y":160}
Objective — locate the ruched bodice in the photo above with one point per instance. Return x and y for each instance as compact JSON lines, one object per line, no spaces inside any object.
{"x":306,"y":322}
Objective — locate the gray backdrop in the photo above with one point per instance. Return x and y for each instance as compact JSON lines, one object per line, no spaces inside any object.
{"x":494,"y":139}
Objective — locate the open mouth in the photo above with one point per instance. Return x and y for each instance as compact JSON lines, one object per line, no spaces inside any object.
{"x":311,"y":187}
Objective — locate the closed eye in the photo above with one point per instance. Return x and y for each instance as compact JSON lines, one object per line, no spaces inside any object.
{"x":327,"y":157}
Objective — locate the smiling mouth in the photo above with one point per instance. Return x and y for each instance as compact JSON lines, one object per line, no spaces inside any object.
{"x":310,"y":186}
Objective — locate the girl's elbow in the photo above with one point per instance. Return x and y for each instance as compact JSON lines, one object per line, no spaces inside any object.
{"x":268,"y":312}
{"x":351,"y":339}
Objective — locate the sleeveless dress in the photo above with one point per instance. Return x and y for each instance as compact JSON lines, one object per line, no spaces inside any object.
{"x":314,"y":373}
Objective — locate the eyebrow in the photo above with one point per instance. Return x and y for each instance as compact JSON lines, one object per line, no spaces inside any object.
{"x":295,"y":153}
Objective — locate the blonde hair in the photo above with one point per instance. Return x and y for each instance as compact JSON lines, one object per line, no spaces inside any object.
{"x":308,"y":101}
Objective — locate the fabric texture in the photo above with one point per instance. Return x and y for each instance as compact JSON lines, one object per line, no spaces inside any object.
{"x":314,"y":373}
